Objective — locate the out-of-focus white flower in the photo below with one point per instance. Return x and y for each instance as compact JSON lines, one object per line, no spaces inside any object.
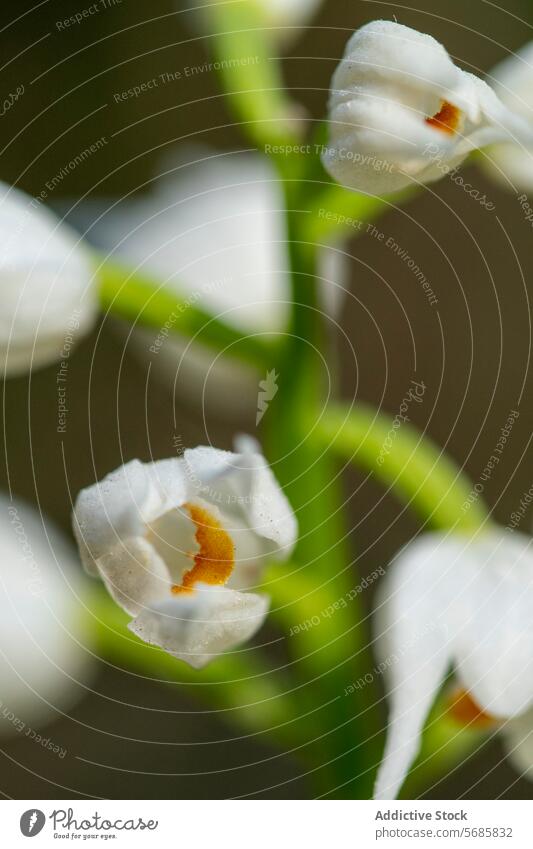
{"x":43,"y":666}
{"x":180,"y":542}
{"x":512,"y":81}
{"x":461,"y":602}
{"x":285,"y":17}
{"x":401,"y":112}
{"x":46,"y":291}
{"x":213,"y":232}
{"x":287,"y":13}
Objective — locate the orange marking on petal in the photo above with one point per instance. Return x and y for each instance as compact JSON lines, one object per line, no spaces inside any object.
{"x":465,"y":710}
{"x":213,"y":564}
{"x":446,"y":119}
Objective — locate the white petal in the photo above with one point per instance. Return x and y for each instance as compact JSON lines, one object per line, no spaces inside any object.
{"x":512,"y":81}
{"x":212,"y":232}
{"x":47,"y":296}
{"x":245,"y":480}
{"x":122,"y":505}
{"x":43,"y":664}
{"x":197,"y":626}
{"x":265,"y":505}
{"x":401,"y":57}
{"x":116,"y":508}
{"x":414,"y":654}
{"x":517,"y":736}
{"x":491,"y":624}
{"x":134,"y":574}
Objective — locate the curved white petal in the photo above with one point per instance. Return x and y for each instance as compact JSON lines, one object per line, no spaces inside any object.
{"x":46,"y":284}
{"x":387,"y":128}
{"x":266,"y":507}
{"x":414,"y":652}
{"x":197,"y":626}
{"x":43,"y":663}
{"x":245,"y":480}
{"x":134,"y":574}
{"x":115,"y":509}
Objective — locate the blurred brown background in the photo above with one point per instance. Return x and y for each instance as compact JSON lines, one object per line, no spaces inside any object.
{"x":472,"y":353}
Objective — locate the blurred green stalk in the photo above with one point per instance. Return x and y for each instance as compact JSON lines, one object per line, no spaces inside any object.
{"x":140,"y":300}
{"x":250,"y":72}
{"x":414,"y":468}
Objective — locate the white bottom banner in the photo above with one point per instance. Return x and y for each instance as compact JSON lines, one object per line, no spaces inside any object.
{"x":262,"y":825}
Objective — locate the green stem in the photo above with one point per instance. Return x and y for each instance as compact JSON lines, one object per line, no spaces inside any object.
{"x":336,"y":212}
{"x":406,"y":461}
{"x":138,"y":299}
{"x":250,"y":71}
{"x":326,"y":657}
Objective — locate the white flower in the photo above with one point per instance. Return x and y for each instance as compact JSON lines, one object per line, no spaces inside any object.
{"x":512,"y":81}
{"x":43,"y":665}
{"x":45,"y":284}
{"x":461,"y":602}
{"x":401,"y":112}
{"x":287,"y":13}
{"x":213,"y":232}
{"x":180,"y":542}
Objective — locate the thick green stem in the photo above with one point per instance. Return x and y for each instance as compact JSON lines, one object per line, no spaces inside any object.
{"x":329,"y":654}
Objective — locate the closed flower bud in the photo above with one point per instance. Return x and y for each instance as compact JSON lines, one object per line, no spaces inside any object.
{"x":401,"y":112}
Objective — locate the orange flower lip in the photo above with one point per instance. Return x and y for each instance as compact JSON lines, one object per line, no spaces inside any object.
{"x":465,"y":710}
{"x":214,"y":562}
{"x":446,"y":119}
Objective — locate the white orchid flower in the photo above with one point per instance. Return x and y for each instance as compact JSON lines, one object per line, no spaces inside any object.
{"x":213,"y":232}
{"x":452,"y":601}
{"x":180,"y":543}
{"x":46,"y":292}
{"x":401,"y":112}
{"x":43,"y":664}
{"x":512,"y":81}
